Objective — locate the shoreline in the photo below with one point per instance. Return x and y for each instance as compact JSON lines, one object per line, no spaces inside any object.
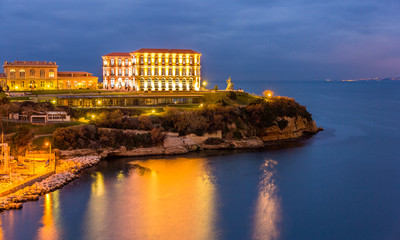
{"x":72,"y":162}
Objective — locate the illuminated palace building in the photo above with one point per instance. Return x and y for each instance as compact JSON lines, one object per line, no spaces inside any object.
{"x":152,"y":70}
{"x":42,"y":75}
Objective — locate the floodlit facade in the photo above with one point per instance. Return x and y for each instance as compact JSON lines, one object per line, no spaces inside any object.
{"x":42,"y":75}
{"x":153,"y":70}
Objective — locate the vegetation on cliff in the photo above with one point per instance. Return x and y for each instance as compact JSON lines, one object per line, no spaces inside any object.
{"x":235,"y":122}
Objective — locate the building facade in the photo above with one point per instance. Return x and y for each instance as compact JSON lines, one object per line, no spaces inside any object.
{"x":42,"y":75}
{"x":153,"y":70}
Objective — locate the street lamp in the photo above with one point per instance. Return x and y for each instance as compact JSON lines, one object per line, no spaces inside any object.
{"x":204,"y":84}
{"x":49,"y":145}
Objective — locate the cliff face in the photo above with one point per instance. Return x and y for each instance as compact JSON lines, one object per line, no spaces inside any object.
{"x":295,"y":127}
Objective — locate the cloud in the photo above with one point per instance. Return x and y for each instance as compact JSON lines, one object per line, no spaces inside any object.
{"x":249,"y":40}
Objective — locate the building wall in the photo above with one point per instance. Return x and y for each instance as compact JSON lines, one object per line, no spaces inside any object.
{"x":118,"y":72}
{"x":167,"y":72}
{"x":27,"y":76}
{"x":152,"y":71}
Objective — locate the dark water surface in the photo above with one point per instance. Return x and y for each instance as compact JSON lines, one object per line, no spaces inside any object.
{"x":343,"y":183}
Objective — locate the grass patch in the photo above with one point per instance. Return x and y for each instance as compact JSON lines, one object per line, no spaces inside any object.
{"x":39,"y":143}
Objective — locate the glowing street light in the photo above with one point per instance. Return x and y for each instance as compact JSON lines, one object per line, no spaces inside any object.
{"x":153,"y":111}
{"x":268,"y":93}
{"x":55,"y":163}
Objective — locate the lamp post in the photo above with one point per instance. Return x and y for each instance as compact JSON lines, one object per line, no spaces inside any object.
{"x":55,"y":163}
{"x":204,"y":84}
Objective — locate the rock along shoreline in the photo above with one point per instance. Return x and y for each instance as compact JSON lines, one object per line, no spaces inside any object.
{"x":72,"y":162}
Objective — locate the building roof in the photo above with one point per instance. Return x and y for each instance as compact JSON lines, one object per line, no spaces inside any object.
{"x":72,"y":72}
{"x":30,"y":63}
{"x":118,"y":54}
{"x":156,"y":50}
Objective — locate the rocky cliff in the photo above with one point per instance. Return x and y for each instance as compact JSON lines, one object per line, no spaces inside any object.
{"x":293,"y":127}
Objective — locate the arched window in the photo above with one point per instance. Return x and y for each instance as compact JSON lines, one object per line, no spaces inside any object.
{"x":170,"y":60}
{"x":184,"y":72}
{"x":119,"y":62}
{"x":112,"y":61}
{"x":148,"y":71}
{"x":32,"y":84}
{"x":51,"y":73}
{"x":32,"y":72}
{"x":163,"y":60}
{"x":22,"y":73}
{"x":156,"y":61}
{"x":112,"y":82}
{"x":141,"y":60}
{"x":184,"y":60}
{"x":12,"y":73}
{"x":126,"y":62}
{"x":42,"y":73}
{"x":148,"y":60}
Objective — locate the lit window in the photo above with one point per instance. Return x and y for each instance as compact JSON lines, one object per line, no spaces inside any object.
{"x":170,"y":60}
{"x":141,"y":60}
{"x":112,"y":72}
{"x":51,"y":73}
{"x":163,"y":61}
{"x":119,"y":62}
{"x":148,"y":60}
{"x":112,"y":61}
{"x":12,"y":73}
{"x":184,"y":61}
{"x":120,"y":72}
{"x":22,"y":73}
{"x":156,"y":61}
{"x":191,"y":60}
{"x":126,"y":62}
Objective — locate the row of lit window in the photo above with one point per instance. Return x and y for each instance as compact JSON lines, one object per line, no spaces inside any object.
{"x":177,"y":60}
{"x":51,"y":84}
{"x":167,"y":72}
{"x":31,"y":73}
{"x":120,"y":62}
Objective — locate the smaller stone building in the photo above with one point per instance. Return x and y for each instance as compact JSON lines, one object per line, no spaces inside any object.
{"x":42,"y":75}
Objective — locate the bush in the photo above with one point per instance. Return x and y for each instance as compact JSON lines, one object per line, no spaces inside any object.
{"x":21,"y":140}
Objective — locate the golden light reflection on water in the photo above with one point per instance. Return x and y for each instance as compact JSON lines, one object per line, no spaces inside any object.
{"x":51,"y":212}
{"x":168,"y":199}
{"x":96,"y":213}
{"x":267,"y":212}
{"x":1,"y":231}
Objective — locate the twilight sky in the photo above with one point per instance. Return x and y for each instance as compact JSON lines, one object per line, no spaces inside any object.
{"x":247,"y":39}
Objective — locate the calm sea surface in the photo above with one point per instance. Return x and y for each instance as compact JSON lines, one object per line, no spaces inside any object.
{"x":343,"y":183}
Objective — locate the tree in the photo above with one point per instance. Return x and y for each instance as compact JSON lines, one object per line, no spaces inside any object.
{"x":216,"y":88}
{"x":4,"y":106}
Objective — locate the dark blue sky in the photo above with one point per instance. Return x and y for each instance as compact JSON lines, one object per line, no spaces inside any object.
{"x":246,"y":39}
